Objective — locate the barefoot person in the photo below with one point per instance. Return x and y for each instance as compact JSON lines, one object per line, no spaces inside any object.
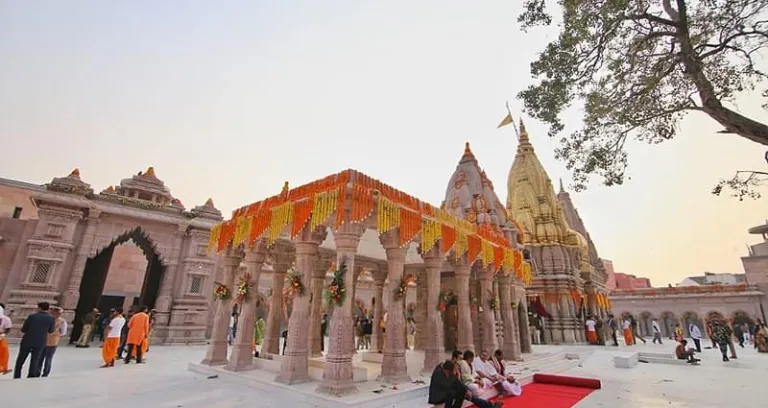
{"x":5,"y":328}
{"x":112,"y":342}
{"x":138,"y":330}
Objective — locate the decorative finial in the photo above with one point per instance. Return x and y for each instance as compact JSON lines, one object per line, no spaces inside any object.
{"x":562,"y":189}
{"x":209,"y":202}
{"x":285,"y":188}
{"x":75,"y":173}
{"x":523,"y":132}
{"x":150,"y":172}
{"x":467,"y":153}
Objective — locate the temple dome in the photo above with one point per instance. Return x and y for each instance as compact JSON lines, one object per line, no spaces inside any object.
{"x":531,"y":200}
{"x":470,"y":196}
{"x":146,"y":186}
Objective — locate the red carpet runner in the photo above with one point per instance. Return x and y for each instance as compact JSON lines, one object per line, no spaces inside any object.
{"x":548,"y":395}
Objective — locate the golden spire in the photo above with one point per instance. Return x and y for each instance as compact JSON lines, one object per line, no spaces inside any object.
{"x":75,"y":173}
{"x":209,"y":202}
{"x":150,"y":172}
{"x":523,"y":133}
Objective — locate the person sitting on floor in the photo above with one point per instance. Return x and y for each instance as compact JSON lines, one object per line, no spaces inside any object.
{"x":446,"y":388}
{"x":469,"y":377}
{"x":511,"y":387}
{"x":486,"y":370}
{"x":685,"y":354}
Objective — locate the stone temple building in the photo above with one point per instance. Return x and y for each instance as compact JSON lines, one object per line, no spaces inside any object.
{"x":569,"y":279}
{"x":58,"y":242}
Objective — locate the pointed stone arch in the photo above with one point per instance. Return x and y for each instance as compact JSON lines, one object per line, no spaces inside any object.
{"x":645,"y":323}
{"x":141,"y":237}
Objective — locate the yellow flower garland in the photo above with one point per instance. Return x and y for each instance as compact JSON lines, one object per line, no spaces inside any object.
{"x":324,"y":206}
{"x":213,"y":239}
{"x":460,"y":248}
{"x":387,"y":215}
{"x":281,"y":216}
{"x":486,"y":252}
{"x":431,"y":232}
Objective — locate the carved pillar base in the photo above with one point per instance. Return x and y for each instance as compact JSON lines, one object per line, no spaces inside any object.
{"x":241,"y":358}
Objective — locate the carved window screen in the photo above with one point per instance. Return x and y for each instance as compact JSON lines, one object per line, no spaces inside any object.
{"x":41,"y":272}
{"x":202,"y":250}
{"x":196,"y":285}
{"x":55,"y":230}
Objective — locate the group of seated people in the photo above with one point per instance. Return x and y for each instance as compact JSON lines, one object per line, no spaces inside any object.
{"x":464,"y":377}
{"x":685,"y":354}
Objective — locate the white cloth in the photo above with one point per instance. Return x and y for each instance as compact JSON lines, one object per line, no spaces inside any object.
{"x":231,"y":321}
{"x":116,"y":327}
{"x":656,"y":328}
{"x":695,"y":332}
{"x":512,"y":388}
{"x":591,"y":325}
{"x":63,"y":328}
{"x":5,"y":323}
{"x":626,"y":324}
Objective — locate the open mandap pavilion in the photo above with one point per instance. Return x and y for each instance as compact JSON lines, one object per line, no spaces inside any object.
{"x":469,"y":271}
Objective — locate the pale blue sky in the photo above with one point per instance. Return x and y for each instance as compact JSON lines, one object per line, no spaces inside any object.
{"x":229,"y":99}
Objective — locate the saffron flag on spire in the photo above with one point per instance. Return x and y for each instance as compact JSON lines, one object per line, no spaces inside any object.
{"x":506,"y":121}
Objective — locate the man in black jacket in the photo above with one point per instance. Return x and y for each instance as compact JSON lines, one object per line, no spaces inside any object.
{"x":36,"y":328}
{"x":446,"y":388}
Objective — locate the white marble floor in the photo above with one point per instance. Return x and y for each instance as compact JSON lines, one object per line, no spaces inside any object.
{"x":165,"y":382}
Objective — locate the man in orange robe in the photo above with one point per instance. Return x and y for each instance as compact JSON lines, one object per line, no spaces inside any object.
{"x":112,"y":341}
{"x":5,"y":328}
{"x":138,"y":331}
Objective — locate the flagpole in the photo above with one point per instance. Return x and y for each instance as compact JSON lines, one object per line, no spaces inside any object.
{"x":514,"y":125}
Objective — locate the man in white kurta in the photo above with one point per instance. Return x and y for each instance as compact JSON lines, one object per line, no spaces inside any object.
{"x":469,"y":377}
{"x":488,"y":372}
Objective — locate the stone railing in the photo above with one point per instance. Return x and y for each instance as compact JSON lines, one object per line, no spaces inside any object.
{"x":685,"y":290}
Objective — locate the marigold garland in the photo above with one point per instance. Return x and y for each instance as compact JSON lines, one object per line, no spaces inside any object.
{"x":387,"y":216}
{"x":431,"y":232}
{"x":244,"y":289}
{"x":281,"y":216}
{"x":302,"y":211}
{"x":293,"y":285}
{"x":402,"y":288}
{"x":335,"y":292}
{"x":221,"y":291}
{"x":493,"y":303}
{"x":323,"y":207}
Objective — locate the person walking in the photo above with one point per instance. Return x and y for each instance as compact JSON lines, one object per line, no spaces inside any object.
{"x":114,"y":331}
{"x":89,"y":320}
{"x":656,"y":331}
{"x":695,"y":336}
{"x":52,"y":343}
{"x":721,"y":333}
{"x":35,"y":331}
{"x":138,"y":331}
{"x":613,"y":326}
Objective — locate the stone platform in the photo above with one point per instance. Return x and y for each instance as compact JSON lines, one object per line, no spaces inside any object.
{"x":166,"y":382}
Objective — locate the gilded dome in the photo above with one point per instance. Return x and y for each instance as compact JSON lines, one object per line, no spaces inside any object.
{"x":531,"y":200}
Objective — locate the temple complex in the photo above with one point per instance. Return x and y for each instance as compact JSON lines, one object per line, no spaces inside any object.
{"x":463,"y":259}
{"x":569,"y":279}
{"x":60,"y":240}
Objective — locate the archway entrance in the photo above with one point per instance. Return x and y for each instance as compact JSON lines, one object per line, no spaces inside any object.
{"x":136,"y":280}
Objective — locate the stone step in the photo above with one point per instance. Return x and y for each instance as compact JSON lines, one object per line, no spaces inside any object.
{"x":664,"y":360}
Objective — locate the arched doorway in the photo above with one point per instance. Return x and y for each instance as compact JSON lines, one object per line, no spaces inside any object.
{"x":668,"y":321}
{"x":92,"y":284}
{"x":645,"y":324}
{"x":741,"y":317}
{"x":691,"y":318}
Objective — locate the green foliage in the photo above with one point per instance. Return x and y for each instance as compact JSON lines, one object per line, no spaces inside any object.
{"x":639,"y":66}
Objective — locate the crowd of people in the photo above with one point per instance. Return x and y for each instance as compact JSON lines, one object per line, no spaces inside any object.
{"x":42,"y":331}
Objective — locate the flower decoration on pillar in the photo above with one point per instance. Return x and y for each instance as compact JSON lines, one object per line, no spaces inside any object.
{"x":445,"y":299}
{"x":244,"y":289}
{"x":294,"y":286}
{"x":493,"y":303}
{"x":473,"y":303}
{"x":335,"y":292}
{"x":221,"y":291}
{"x":402,"y":288}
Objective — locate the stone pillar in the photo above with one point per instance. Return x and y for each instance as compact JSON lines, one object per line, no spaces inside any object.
{"x":489,"y":343}
{"x":241,"y":358}
{"x":282,"y":261}
{"x":353,"y":337}
{"x":477,"y":329}
{"x":393,"y":366}
{"x":318,"y":282}
{"x":466,"y":340}
{"x":72,"y":295}
{"x":569,"y":333}
{"x":432,"y":337}
{"x":421,"y":311}
{"x":174,"y":269}
{"x":510,"y":346}
{"x":377,"y":343}
{"x":217,"y":349}
{"x":337,"y":376}
{"x":295,"y":363}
